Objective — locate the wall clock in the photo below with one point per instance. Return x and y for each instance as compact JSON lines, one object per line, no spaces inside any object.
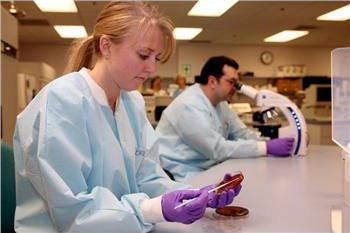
{"x":266,"y":57}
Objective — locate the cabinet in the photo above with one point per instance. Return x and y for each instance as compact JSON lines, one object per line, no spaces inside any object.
{"x":320,"y":133}
{"x":288,"y":85}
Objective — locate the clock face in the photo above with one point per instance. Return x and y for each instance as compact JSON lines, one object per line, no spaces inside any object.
{"x":266,"y":57}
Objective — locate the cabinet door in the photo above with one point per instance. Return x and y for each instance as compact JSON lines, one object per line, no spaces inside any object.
{"x":288,"y":85}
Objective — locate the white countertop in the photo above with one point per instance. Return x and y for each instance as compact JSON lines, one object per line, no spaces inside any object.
{"x":294,"y":194}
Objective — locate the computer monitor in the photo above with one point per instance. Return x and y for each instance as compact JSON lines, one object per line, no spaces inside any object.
{"x":317,"y":102}
{"x":309,"y":80}
{"x":317,"y":94}
{"x":323,"y":94}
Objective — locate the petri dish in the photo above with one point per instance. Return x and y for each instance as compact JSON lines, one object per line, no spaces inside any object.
{"x":231,"y":212}
{"x":228,"y":184}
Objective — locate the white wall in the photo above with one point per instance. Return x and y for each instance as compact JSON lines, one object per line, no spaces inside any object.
{"x":317,"y":60}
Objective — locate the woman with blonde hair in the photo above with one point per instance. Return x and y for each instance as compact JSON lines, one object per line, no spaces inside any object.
{"x":156,"y":87}
{"x":180,"y":80}
{"x":83,"y":145}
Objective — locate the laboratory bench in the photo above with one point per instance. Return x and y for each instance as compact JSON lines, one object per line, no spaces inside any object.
{"x":293,"y":194}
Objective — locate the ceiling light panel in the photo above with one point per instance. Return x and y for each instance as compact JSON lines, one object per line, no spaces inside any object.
{"x":69,"y":31}
{"x":67,"y":6}
{"x":211,"y":8}
{"x":186,"y":33}
{"x":340,"y":14}
{"x":286,"y":35}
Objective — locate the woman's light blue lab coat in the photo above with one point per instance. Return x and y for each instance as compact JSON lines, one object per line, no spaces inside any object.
{"x":80,"y":168}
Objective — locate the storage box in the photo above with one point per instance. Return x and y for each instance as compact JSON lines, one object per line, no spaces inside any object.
{"x":291,"y":71}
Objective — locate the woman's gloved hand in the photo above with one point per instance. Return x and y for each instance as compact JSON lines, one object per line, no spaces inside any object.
{"x":188,"y":213}
{"x":219,"y":200}
{"x":280,"y":147}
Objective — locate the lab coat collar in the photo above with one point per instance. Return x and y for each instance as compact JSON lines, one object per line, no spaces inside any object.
{"x":97,"y":92}
{"x":213,"y":110}
{"x":204,"y":97}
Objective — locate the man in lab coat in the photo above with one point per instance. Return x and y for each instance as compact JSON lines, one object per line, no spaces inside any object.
{"x":198,"y":129}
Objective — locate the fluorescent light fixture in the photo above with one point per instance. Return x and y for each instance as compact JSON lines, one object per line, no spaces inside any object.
{"x":68,"y":31}
{"x":186,"y":33}
{"x":286,"y":35}
{"x":56,"y":5}
{"x":211,"y":8}
{"x":340,"y":14}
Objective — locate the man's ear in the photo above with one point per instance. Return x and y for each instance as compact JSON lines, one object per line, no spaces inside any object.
{"x":105,"y":46}
{"x":212,"y":81}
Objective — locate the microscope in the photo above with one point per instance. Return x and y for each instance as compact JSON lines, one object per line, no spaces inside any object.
{"x":268,"y":101}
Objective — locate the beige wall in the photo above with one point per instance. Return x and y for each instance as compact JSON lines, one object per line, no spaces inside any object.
{"x":9,"y":34}
{"x":9,"y":28}
{"x":56,"y":56}
{"x":317,"y":60}
{"x":52,"y":54}
{"x":8,"y":96}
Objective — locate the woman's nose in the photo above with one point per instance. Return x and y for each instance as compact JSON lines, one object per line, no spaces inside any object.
{"x":151,"y":66}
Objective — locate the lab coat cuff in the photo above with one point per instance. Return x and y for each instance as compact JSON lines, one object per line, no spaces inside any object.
{"x":262,"y":150}
{"x":152,"y":210}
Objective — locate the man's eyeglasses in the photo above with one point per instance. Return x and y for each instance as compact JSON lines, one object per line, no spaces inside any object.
{"x":231,"y":81}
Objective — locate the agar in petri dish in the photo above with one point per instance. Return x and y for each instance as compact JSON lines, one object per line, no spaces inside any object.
{"x":232,"y":211}
{"x":228,"y":184}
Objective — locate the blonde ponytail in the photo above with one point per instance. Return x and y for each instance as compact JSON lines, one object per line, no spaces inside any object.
{"x":80,"y":54}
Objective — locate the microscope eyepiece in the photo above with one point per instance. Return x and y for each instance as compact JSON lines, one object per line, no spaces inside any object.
{"x":238,"y":85}
{"x":245,"y":89}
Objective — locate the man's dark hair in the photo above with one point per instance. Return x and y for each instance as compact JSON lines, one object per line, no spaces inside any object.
{"x":214,"y":67}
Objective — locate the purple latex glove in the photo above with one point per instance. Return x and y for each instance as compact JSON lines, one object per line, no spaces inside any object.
{"x":280,"y":147}
{"x":188,"y":213}
{"x":219,"y":200}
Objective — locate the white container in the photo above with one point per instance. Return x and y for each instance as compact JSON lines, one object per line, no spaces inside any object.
{"x":341,"y":109}
{"x":346,"y":156}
